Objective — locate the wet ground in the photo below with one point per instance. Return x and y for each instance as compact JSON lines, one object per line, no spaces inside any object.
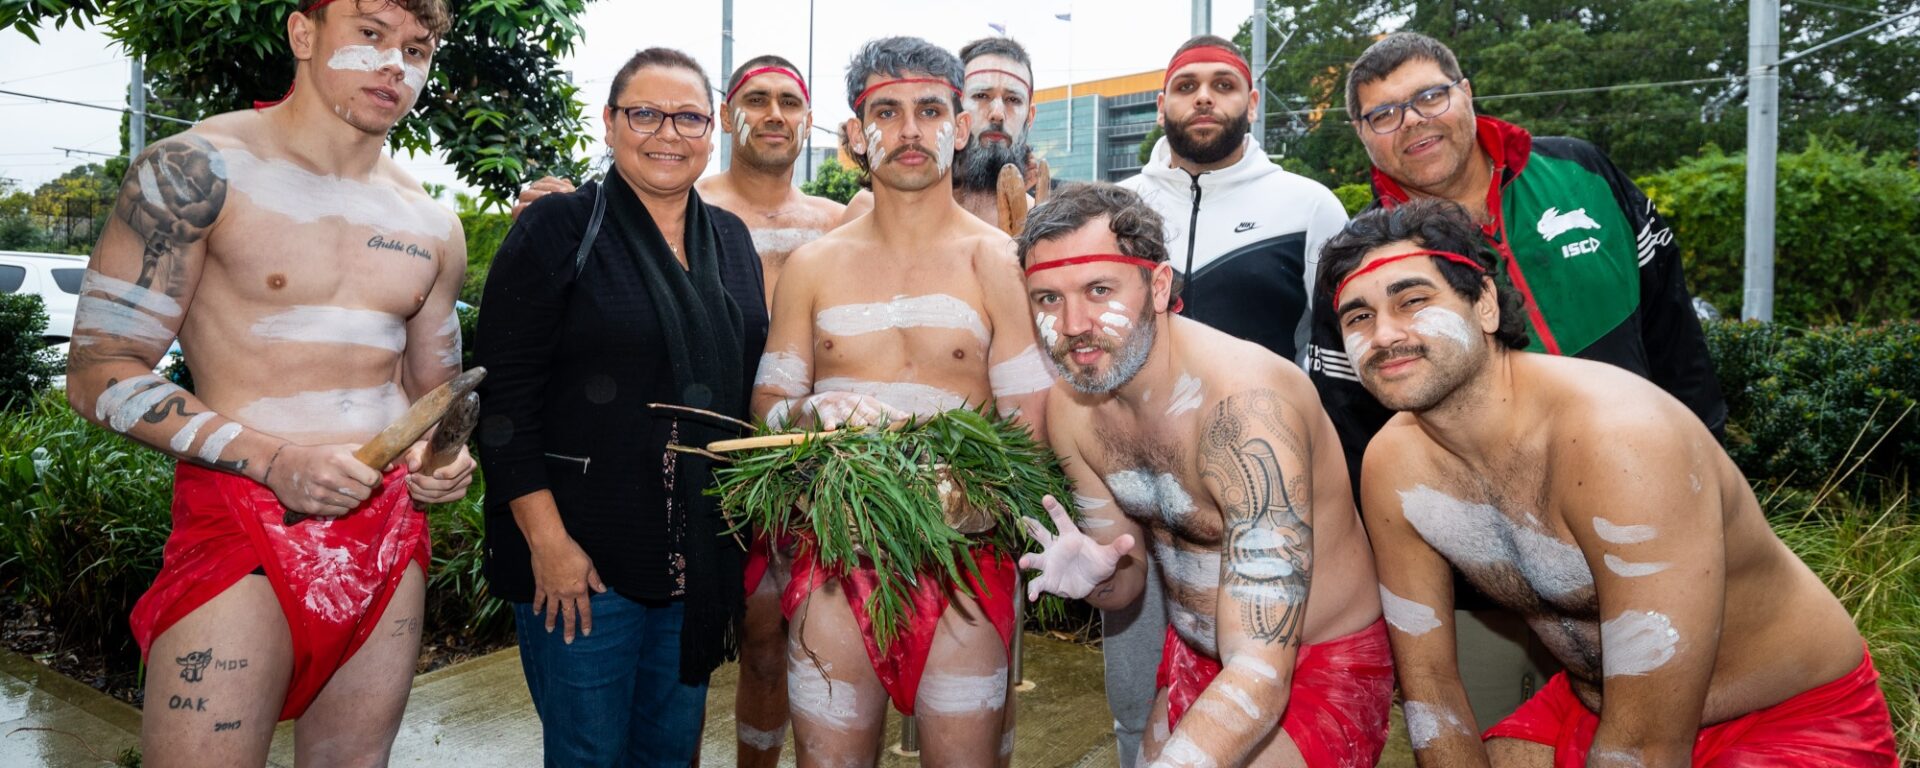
{"x":477,"y":715}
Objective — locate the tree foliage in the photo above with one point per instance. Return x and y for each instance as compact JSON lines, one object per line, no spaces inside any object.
{"x":64,"y":215}
{"x":497,"y":102}
{"x":1862,"y":88}
{"x":834,"y":181}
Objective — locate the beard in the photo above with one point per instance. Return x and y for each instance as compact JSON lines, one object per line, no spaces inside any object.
{"x":773,"y":160}
{"x":1201,"y":152}
{"x":1129,"y":357}
{"x":980,"y":162}
{"x":1452,"y":366}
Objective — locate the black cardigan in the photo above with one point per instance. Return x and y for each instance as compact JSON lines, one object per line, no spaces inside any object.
{"x":572,"y":362}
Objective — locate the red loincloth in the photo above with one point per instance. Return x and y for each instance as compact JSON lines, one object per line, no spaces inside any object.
{"x":332,"y":576}
{"x":900,"y":667}
{"x":1336,"y":704}
{"x":1842,"y":724}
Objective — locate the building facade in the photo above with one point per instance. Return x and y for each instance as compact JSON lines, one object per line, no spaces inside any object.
{"x":1092,"y":131}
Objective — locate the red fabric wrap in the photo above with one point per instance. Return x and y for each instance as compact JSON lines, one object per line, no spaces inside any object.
{"x":1207,"y":54}
{"x":792,"y":75}
{"x":1841,"y":724}
{"x":862,"y":99}
{"x":900,"y":667}
{"x":1336,"y":704}
{"x":1448,"y":255}
{"x":333,"y":577}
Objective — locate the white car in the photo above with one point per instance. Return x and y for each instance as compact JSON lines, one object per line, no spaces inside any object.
{"x":55,"y":277}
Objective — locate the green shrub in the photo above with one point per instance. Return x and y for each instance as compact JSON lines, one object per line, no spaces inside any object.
{"x":485,"y":232}
{"x":1870,"y":558}
{"x":457,"y":599}
{"x":1356,"y":197}
{"x":833,"y":181}
{"x":24,"y":370}
{"x":1847,"y":232}
{"x":1803,"y":405}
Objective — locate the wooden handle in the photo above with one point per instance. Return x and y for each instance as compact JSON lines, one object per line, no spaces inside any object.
{"x":1011,"y":194}
{"x":781,"y":440}
{"x":454,"y":430}
{"x":1043,"y":182}
{"x":401,"y":434}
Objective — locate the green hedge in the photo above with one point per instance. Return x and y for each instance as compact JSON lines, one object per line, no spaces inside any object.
{"x":1847,"y":232}
{"x":485,"y":231}
{"x":1804,"y":405}
{"x":1354,"y":197}
{"x":23,"y":368}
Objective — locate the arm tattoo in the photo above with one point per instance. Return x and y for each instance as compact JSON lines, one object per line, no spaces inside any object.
{"x":1269,"y":544}
{"x":172,"y":195}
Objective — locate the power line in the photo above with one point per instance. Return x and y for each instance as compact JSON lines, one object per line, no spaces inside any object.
{"x":150,"y":115}
{"x":60,"y":72}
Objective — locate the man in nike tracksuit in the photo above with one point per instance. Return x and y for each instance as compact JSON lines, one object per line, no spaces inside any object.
{"x":1594,"y":262}
{"x":1244,"y":235}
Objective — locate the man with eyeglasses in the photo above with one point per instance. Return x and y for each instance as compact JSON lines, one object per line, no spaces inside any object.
{"x":1241,"y":231}
{"x":1595,"y":265}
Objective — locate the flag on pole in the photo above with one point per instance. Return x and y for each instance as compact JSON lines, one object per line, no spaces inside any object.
{"x":1000,"y":28}
{"x":1064,"y":16}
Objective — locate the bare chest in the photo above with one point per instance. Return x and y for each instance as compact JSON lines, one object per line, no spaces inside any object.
{"x":913,"y":325}
{"x":1150,"y":475}
{"x":1516,"y":557}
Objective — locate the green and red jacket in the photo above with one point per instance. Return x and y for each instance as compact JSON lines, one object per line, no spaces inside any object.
{"x":1595,"y":263}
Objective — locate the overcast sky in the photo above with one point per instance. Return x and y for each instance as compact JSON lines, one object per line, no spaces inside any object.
{"x":1108,"y":38}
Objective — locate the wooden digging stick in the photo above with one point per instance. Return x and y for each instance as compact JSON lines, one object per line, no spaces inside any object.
{"x":1043,"y":184}
{"x":453,"y":433}
{"x":405,"y":431}
{"x":778,"y":441}
{"x":1011,"y":194}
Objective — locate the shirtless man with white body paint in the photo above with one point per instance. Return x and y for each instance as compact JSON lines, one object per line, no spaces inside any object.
{"x":1216,"y":453}
{"x":912,"y":310}
{"x":998,"y":97}
{"x":312,"y":284}
{"x":1597,"y":506}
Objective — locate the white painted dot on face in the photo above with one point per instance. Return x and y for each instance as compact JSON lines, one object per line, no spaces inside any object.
{"x":741,"y":131}
{"x":1637,"y":642}
{"x":1442,"y":322}
{"x":1115,"y":320}
{"x":1358,"y":345}
{"x":943,"y":146}
{"x":875,"y":150}
{"x":1045,"y":323}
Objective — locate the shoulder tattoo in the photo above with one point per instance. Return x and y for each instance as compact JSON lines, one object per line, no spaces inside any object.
{"x":1268,"y":543}
{"x":173,"y":193}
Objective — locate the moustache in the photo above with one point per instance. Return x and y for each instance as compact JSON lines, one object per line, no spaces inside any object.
{"x":1391,"y":354}
{"x":906,"y":148}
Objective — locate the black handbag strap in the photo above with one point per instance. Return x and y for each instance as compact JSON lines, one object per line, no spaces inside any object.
{"x":593,"y":227}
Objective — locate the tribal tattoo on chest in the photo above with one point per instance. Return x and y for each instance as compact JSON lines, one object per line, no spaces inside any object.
{"x":1268,"y":544}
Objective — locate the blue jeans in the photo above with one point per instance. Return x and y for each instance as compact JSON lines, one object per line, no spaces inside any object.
{"x":613,"y":698}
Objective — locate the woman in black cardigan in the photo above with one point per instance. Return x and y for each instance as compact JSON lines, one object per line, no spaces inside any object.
{"x":594,"y":528}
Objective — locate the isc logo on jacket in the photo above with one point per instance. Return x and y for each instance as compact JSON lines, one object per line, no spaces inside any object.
{"x":1553,"y":224}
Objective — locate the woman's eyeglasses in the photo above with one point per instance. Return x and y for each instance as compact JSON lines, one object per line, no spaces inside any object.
{"x":646,"y":121}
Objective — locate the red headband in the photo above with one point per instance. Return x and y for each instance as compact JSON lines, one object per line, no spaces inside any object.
{"x":763,"y":70}
{"x":1207,"y":53}
{"x":862,"y":99}
{"x":1448,"y":255}
{"x":1117,"y":258}
{"x":1023,"y":81}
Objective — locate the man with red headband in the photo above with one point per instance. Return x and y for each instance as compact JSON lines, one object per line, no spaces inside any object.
{"x":1596,"y":506}
{"x":1243,"y":233}
{"x":1215,"y":453}
{"x":913,"y":309}
{"x":1595,"y":264}
{"x":312,"y":283}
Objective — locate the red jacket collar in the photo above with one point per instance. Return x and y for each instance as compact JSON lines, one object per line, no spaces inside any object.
{"x":1509,"y":145}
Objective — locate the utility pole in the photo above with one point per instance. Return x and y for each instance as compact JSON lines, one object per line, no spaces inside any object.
{"x":1259,"y":31}
{"x":1202,"y":16}
{"x":1763,"y":147}
{"x":137,"y":121}
{"x":809,"y":85}
{"x":726,"y":70}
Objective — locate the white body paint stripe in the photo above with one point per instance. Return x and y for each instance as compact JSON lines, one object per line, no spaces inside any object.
{"x":962,"y":694}
{"x":1623,"y":534}
{"x":338,"y":411}
{"x":183,"y":439}
{"x":306,"y":197}
{"x":217,"y":442}
{"x":336,"y":325}
{"x":1022,"y":374}
{"x":116,"y":396}
{"x":129,"y":294}
{"x":1630,"y":569}
{"x":130,"y":410}
{"x":784,"y":240}
{"x":99,"y":320}
{"x":764,"y":741}
{"x":1411,"y":617}
{"x":1186,"y":395}
{"x":1636,"y":642}
{"x":1240,"y":699}
{"x":916,"y":399}
{"x":1253,"y":665}
{"x":816,"y":698}
{"x":785,"y":373}
{"x":1426,"y":722}
{"x":934,"y":310}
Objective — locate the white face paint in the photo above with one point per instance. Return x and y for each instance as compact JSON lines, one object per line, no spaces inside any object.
{"x":1115,"y":319}
{"x":337,"y":325}
{"x":1413,"y":618}
{"x":782,"y":241}
{"x":916,"y":399}
{"x":217,"y":442}
{"x":984,"y":84}
{"x":785,"y":373}
{"x":366,"y":58}
{"x":1189,"y":570}
{"x":1358,"y":345}
{"x":742,"y":132}
{"x":1045,"y":323}
{"x":875,"y":150}
{"x":1021,"y":374}
{"x":305,"y":197}
{"x":1478,"y":534}
{"x":1253,"y":666}
{"x":1637,"y":642}
{"x":122,"y":404}
{"x":934,"y":310}
{"x":363,"y":411}
{"x":943,"y":147}
{"x":1630,"y":570}
{"x":183,"y":439}
{"x":817,"y":698}
{"x":1186,"y":395}
{"x":1622,"y":534}
{"x":1440,"y":322}
{"x":1426,"y":722}
{"x":962,"y":694}
{"x":759,"y":740}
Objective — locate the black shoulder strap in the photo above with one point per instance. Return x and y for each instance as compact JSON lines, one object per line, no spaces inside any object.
{"x":593,"y":227}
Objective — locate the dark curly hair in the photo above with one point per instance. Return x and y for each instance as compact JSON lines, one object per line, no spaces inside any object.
{"x":1439,"y":225}
{"x":1134,"y":224}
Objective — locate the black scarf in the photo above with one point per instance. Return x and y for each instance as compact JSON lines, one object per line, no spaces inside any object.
{"x":705,"y":333}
